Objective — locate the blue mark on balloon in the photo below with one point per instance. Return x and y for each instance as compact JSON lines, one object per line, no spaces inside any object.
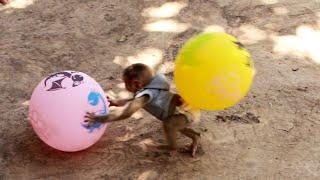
{"x":94,"y":98}
{"x":92,"y":127}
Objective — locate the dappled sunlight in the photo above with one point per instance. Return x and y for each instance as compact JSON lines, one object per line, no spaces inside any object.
{"x":150,"y":56}
{"x":26,"y":103}
{"x":17,"y":4}
{"x":250,"y":34}
{"x":126,"y":137}
{"x":118,"y":92}
{"x":269,"y":1}
{"x":146,"y":144}
{"x":166,"y":67}
{"x":119,"y":60}
{"x":137,"y":115}
{"x":214,"y":28}
{"x":166,"y":26}
{"x":149,"y":174}
{"x":305,"y":43}
{"x":167,"y":10}
{"x":163,"y":14}
{"x":280,"y":10}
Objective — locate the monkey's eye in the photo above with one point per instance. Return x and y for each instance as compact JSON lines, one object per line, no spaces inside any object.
{"x":77,"y":78}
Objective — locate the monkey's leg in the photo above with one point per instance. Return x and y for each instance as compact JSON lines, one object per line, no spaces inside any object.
{"x":171,"y":126}
{"x":195,"y":136}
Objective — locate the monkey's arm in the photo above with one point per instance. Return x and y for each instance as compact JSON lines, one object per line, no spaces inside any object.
{"x":119,"y":102}
{"x":123,"y":113}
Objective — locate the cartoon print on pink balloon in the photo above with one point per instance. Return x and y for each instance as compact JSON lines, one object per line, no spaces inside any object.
{"x":57,"y":81}
{"x":96,"y":99}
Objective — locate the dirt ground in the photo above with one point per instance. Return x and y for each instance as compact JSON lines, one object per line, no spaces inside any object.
{"x":272,"y":134}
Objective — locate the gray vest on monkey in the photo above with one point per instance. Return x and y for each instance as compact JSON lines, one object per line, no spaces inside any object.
{"x":160,"y":97}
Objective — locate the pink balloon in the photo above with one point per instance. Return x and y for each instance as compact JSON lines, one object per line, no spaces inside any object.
{"x":58,"y":106}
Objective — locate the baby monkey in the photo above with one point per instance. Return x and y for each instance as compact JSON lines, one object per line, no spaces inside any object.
{"x":152,"y":92}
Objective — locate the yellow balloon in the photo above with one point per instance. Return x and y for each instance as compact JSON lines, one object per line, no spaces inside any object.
{"x":213,"y":71}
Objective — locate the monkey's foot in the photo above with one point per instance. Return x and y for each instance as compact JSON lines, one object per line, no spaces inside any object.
{"x":194,"y":146}
{"x":192,"y":149}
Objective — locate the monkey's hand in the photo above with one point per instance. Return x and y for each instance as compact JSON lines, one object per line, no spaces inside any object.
{"x":120,"y":102}
{"x":112,"y":102}
{"x":120,"y":114}
{"x":92,"y":118}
